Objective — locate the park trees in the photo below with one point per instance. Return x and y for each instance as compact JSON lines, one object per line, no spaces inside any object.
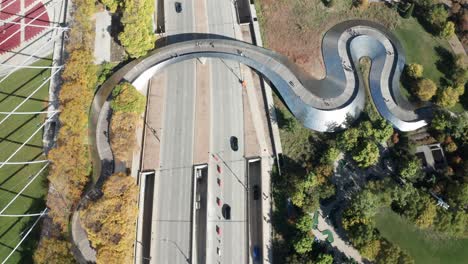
{"x":448,"y":97}
{"x":425,"y":89}
{"x":414,"y":70}
{"x":112,"y":4}
{"x":110,"y":221}
{"x":410,"y":169}
{"x":53,"y":251}
{"x":70,"y":160}
{"x":128,"y":104}
{"x":366,"y":155}
{"x":324,"y":259}
{"x":449,"y":30}
{"x":126,"y":98}
{"x":437,"y":17}
{"x":138,"y":36}
{"x":303,"y":243}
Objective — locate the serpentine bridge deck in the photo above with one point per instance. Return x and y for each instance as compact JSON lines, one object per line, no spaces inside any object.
{"x":323,"y":105}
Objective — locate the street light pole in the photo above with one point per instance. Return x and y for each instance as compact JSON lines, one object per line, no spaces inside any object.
{"x":227,"y":166}
{"x":178,"y":248}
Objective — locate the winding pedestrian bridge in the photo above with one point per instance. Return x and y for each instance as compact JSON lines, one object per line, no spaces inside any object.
{"x":329,"y":104}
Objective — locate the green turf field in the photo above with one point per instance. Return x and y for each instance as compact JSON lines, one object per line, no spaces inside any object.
{"x":424,"y":246}
{"x":13,"y":133}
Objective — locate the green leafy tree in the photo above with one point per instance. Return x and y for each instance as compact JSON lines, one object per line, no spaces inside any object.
{"x":449,"y":30}
{"x":305,"y":223}
{"x":371,"y":250}
{"x":303,"y":244}
{"x":367,"y":154}
{"x":428,"y":212}
{"x":425,"y":89}
{"x":324,"y":259}
{"x":383,"y":130}
{"x":437,"y":17}
{"x":441,"y":121}
{"x":348,"y":139}
{"x":330,"y":156}
{"x":425,"y":5}
{"x":448,"y":97}
{"x":414,"y":70}
{"x":138,"y":36}
{"x":127,"y":99}
{"x":411,"y":169}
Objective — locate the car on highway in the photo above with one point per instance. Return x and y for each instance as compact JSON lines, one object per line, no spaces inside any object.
{"x":256,"y":253}
{"x":226,"y":211}
{"x":256,"y":192}
{"x":178,"y":7}
{"x":234,"y":143}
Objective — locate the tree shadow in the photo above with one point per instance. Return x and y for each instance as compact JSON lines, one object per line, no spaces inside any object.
{"x":446,"y":61}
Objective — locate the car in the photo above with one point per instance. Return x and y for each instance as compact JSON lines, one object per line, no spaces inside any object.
{"x":178,"y":7}
{"x":234,"y":143}
{"x":226,"y":211}
{"x":256,"y":253}
{"x":256,"y":192}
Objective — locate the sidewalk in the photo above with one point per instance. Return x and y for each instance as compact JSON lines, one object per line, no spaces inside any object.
{"x":340,"y":244}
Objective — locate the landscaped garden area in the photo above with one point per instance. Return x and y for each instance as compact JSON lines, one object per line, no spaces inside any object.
{"x":425,"y":246}
{"x":13,"y":133}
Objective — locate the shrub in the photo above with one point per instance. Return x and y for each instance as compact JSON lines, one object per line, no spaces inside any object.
{"x":425,"y":89}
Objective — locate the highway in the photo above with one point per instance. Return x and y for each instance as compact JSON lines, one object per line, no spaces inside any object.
{"x":172,"y":211}
{"x":227,"y":120}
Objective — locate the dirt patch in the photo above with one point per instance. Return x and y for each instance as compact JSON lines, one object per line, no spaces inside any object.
{"x":295,"y":28}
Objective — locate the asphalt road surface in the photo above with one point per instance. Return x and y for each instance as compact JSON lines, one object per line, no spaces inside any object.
{"x":227,"y":120}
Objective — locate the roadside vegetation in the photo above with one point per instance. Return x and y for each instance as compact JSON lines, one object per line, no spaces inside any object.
{"x":136,"y":16}
{"x":127,"y":104}
{"x":305,"y":180}
{"x":14,"y":131}
{"x":110,"y":221}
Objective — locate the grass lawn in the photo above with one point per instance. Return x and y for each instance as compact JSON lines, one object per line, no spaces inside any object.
{"x":421,"y":47}
{"x":14,"y":132}
{"x":295,"y":138}
{"x":424,"y":246}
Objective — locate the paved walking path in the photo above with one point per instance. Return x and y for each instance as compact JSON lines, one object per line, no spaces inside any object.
{"x":339,"y":243}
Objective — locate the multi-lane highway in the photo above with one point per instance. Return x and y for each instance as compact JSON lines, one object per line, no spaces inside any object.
{"x":172,"y":205}
{"x":230,"y":246}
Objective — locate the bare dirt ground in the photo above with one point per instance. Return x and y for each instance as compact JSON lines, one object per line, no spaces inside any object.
{"x":295,"y":28}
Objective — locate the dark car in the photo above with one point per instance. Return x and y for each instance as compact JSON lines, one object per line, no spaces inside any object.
{"x":226,"y":211}
{"x":256,"y":253}
{"x":234,"y":143}
{"x":256,"y":192}
{"x":178,"y":7}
